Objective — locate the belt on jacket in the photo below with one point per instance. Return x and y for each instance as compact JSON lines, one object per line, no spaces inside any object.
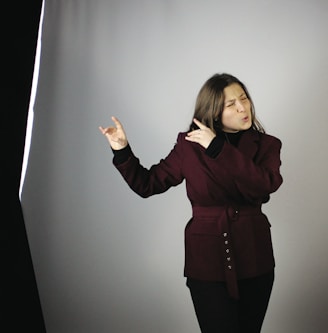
{"x":232,"y":213}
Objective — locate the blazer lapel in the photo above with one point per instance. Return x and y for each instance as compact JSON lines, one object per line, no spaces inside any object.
{"x":249,"y":143}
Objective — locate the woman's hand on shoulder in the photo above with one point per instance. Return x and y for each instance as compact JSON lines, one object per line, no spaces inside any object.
{"x":203,"y":135}
{"x":115,"y":135}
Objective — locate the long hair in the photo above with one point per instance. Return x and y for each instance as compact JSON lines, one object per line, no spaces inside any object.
{"x":210,"y":102}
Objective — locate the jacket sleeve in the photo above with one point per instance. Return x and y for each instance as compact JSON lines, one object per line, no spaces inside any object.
{"x":158,"y":178}
{"x":255,"y":178}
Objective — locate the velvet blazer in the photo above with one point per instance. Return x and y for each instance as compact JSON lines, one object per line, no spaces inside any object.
{"x":228,"y":237}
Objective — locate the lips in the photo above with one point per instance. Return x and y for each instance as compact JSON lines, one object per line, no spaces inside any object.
{"x":245,"y":119}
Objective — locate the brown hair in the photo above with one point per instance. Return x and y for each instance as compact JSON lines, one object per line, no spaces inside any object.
{"x":210,"y":102}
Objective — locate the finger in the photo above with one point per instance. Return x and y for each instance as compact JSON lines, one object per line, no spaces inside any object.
{"x":102,"y":130}
{"x":117,"y":122}
{"x":192,"y":138}
{"x":199,"y":124}
{"x":195,"y":132}
{"x":108,"y":130}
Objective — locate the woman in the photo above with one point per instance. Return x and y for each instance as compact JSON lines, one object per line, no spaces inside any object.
{"x":230,"y":167}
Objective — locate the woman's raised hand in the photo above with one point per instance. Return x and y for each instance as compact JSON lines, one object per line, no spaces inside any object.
{"x":203,"y":135}
{"x":115,"y":135}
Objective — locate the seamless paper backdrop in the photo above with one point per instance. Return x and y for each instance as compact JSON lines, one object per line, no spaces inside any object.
{"x":109,"y":261}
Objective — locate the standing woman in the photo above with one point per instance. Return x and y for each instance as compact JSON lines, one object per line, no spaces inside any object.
{"x":230,"y":167}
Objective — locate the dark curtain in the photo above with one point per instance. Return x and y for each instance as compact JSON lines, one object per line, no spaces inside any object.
{"x":21,"y":308}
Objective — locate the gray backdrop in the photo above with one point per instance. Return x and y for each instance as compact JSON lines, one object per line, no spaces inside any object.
{"x":109,"y":261}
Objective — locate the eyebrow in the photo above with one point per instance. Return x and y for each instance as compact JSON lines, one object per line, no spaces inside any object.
{"x":232,"y":100}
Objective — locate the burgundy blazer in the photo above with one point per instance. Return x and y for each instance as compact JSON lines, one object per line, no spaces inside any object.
{"x":228,"y":237}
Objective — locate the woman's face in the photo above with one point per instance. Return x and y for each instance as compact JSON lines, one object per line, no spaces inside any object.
{"x":236,"y":115}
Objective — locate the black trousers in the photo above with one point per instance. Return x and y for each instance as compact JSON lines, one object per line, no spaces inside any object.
{"x":217,"y":312}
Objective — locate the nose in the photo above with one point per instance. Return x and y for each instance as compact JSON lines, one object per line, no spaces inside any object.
{"x":240,"y":106}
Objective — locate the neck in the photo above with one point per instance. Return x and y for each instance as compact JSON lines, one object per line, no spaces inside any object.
{"x":233,"y":137}
{"x":231,"y":131}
